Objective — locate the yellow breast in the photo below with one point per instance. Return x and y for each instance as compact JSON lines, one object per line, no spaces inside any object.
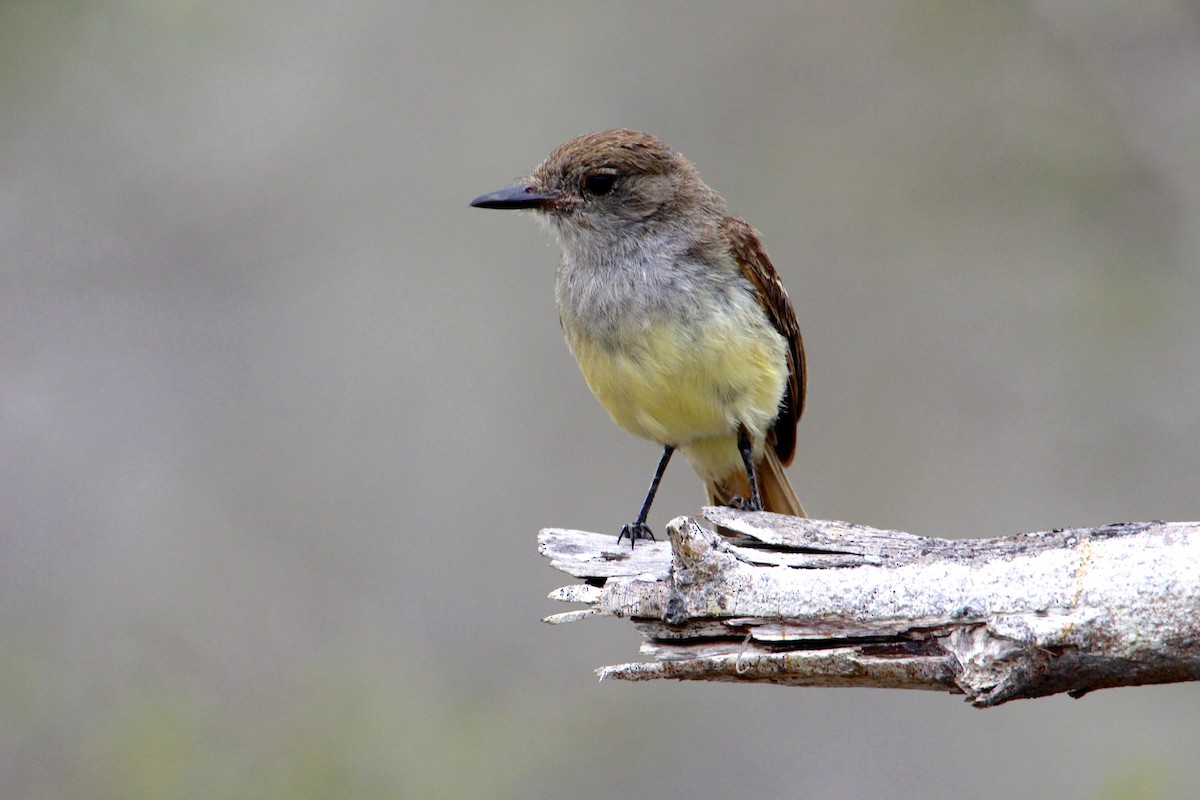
{"x":675,"y":384}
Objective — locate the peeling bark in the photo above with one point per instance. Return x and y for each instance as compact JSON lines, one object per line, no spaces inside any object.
{"x":821,"y":603}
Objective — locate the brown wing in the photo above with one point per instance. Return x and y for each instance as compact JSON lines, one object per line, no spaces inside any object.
{"x":752,"y":258}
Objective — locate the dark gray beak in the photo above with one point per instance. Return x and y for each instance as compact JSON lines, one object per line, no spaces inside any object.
{"x":522,"y":195}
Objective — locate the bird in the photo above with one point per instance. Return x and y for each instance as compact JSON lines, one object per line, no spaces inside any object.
{"x":674,"y":312}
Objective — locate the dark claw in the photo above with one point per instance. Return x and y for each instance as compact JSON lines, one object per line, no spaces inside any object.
{"x":742,"y":504}
{"x":635,"y":531}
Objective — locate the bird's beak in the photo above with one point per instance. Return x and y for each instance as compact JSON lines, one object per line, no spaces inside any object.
{"x":523,"y":195}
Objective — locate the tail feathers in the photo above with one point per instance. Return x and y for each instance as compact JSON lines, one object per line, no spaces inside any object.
{"x":776,"y":492}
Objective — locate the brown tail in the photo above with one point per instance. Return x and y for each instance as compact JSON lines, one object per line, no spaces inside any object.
{"x":777,"y":493}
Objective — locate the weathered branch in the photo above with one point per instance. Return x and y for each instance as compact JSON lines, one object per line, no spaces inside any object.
{"x":820,"y":603}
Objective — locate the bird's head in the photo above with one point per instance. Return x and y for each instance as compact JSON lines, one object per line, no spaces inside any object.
{"x":609,"y":182}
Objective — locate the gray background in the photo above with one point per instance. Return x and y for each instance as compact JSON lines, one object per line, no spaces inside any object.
{"x":280,"y":416}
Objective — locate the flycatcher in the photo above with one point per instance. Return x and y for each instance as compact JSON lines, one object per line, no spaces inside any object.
{"x":675,"y":314}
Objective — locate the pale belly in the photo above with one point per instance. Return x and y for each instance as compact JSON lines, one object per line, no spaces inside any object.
{"x":691,"y":391}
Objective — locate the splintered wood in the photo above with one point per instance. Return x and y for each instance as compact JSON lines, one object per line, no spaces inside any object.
{"x":806,"y":602}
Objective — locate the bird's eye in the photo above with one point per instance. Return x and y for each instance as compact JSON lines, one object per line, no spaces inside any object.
{"x":600,"y":182}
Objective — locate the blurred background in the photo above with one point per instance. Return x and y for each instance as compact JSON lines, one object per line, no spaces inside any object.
{"x":280,"y":416}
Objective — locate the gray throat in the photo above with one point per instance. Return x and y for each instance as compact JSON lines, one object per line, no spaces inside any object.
{"x":611,"y":288}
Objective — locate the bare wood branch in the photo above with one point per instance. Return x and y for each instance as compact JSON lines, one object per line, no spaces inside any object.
{"x":822,"y":603}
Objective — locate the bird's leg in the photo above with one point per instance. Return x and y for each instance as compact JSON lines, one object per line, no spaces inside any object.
{"x":747,"y":450}
{"x":638,"y":529}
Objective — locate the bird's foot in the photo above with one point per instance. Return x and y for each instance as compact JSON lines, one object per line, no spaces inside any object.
{"x":635,"y":531}
{"x":742,"y":504}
